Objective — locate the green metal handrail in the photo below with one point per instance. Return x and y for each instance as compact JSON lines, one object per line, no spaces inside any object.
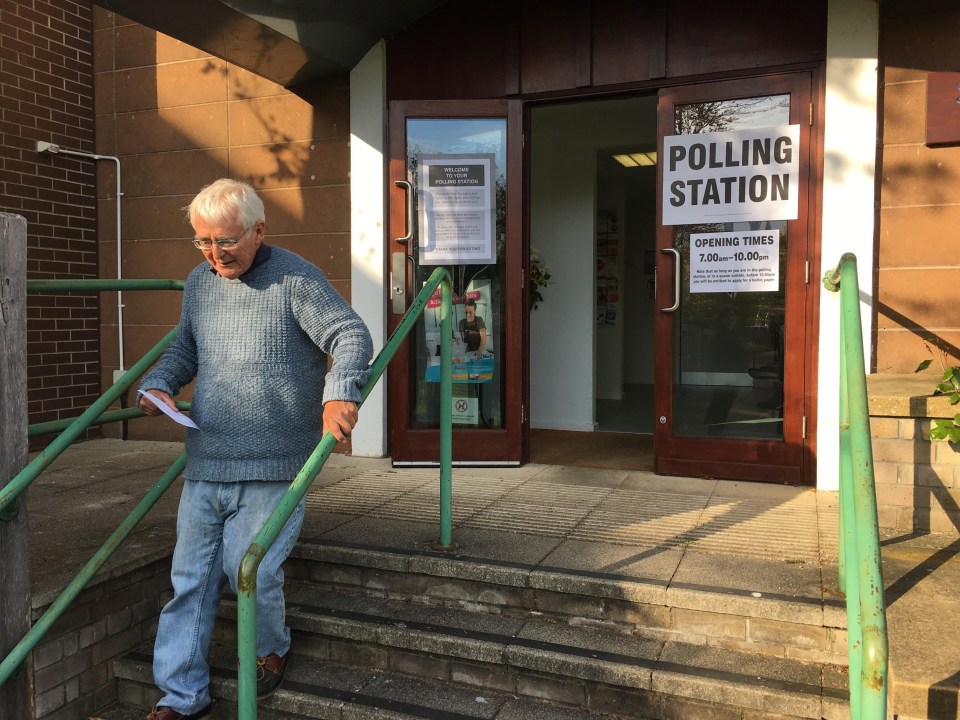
{"x":72,"y":429}
{"x":247,"y":577}
{"x":859,"y":533}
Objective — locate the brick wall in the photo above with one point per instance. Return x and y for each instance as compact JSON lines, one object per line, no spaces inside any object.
{"x":73,"y":666}
{"x":918,"y":481}
{"x":46,"y":94}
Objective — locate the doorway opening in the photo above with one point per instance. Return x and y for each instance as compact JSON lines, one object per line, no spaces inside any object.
{"x":593,"y":227}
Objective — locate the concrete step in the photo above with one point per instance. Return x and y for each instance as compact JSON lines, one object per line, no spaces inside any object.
{"x":325,"y":688}
{"x":533,"y":655}
{"x":316,"y":688}
{"x":774,"y":624}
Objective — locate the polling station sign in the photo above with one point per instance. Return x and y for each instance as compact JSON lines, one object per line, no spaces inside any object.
{"x":457,"y":203}
{"x":733,"y":176}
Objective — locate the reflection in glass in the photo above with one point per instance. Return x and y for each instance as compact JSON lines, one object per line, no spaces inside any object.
{"x":728,"y":347}
{"x":478,"y":311}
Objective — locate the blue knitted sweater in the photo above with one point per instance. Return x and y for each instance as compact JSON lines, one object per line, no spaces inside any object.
{"x":258,"y":348}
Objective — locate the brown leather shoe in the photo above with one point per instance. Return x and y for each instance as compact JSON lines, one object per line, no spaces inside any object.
{"x":270,"y":670}
{"x":165,"y":713}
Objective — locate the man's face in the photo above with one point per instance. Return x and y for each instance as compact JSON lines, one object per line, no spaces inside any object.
{"x":235,"y":262}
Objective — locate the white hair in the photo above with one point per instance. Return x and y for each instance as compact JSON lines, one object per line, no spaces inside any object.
{"x":225,"y":201}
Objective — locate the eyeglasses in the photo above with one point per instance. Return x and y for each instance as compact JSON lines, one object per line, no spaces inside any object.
{"x":222,"y":243}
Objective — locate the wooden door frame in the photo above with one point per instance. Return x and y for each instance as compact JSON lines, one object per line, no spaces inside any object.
{"x":506,"y":445}
{"x":756,"y":460}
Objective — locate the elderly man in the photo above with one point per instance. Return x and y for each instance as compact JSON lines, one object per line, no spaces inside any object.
{"x":257,"y":325}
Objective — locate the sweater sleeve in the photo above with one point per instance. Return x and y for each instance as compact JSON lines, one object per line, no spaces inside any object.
{"x":336,"y":329}
{"x":178,"y":364}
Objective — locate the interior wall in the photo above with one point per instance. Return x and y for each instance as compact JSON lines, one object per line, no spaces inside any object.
{"x":564,"y":143}
{"x":639,"y":252}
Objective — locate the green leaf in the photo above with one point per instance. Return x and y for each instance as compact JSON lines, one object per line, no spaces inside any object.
{"x":954,"y":398}
{"x":944,"y":388}
{"x":923,"y":366}
{"x":938,"y":433}
{"x":949,"y":373}
{"x":956,"y":419}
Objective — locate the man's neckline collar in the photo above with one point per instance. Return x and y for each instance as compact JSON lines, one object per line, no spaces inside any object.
{"x":262,"y":255}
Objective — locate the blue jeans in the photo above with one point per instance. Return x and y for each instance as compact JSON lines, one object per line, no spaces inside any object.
{"x":216,"y":523}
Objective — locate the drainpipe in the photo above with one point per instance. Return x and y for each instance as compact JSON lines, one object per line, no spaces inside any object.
{"x":57,"y":150}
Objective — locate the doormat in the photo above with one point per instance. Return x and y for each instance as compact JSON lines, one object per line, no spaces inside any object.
{"x":615,"y":451}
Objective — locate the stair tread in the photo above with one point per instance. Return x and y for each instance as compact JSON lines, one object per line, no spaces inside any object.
{"x":537,"y":643}
{"x":779,"y":599}
{"x":313,"y":684}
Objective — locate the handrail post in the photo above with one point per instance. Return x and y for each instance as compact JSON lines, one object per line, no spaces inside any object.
{"x":870,"y":578}
{"x":850,"y":586}
{"x":446,"y":413}
{"x":250,"y":564}
{"x":859,"y":550}
{"x":16,"y":698}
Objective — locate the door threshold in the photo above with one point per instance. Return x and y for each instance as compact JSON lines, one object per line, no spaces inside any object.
{"x":457,"y":463}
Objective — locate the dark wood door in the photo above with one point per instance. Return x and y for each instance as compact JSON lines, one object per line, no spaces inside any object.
{"x":483,"y":138}
{"x":732,"y":279}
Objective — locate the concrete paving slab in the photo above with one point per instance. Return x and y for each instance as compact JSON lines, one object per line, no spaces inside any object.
{"x":787,"y":531}
{"x":642,"y":519}
{"x":379,"y":532}
{"x":581,"y":477}
{"x":317,"y":523}
{"x":649,"y":482}
{"x":765,"y":492}
{"x":615,"y":563}
{"x":520,"y":549}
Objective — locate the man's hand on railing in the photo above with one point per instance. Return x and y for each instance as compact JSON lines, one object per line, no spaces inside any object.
{"x":339,"y":417}
{"x":150,"y":409}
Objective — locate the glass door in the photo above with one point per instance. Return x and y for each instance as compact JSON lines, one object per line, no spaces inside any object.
{"x":455,"y":188}
{"x":731,"y":279}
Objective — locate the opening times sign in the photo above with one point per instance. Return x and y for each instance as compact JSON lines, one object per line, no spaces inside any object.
{"x":457,"y":209}
{"x":739,"y":261}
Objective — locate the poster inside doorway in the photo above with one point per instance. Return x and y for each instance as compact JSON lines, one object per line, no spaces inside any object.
{"x":736,"y":261}
{"x":473,"y":337}
{"x":457,"y":209}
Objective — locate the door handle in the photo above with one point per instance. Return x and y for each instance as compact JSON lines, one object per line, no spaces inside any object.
{"x":676,"y":280}
{"x":408,"y":189}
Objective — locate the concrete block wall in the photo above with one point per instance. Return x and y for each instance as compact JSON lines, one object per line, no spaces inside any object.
{"x":46,"y":94}
{"x":73,"y":666}
{"x":178,"y":119}
{"x":917,"y":480}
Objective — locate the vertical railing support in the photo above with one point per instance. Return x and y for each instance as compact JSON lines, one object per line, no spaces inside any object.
{"x":446,"y":414}
{"x":247,"y":575}
{"x":16,"y":696}
{"x":859,"y":568}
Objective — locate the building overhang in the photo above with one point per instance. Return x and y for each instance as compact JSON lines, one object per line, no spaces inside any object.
{"x":299,"y":44}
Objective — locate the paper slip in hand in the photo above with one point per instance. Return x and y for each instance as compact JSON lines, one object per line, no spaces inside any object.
{"x":176,"y":415}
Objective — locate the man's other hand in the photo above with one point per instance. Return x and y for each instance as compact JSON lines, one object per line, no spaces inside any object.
{"x":160,"y":396}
